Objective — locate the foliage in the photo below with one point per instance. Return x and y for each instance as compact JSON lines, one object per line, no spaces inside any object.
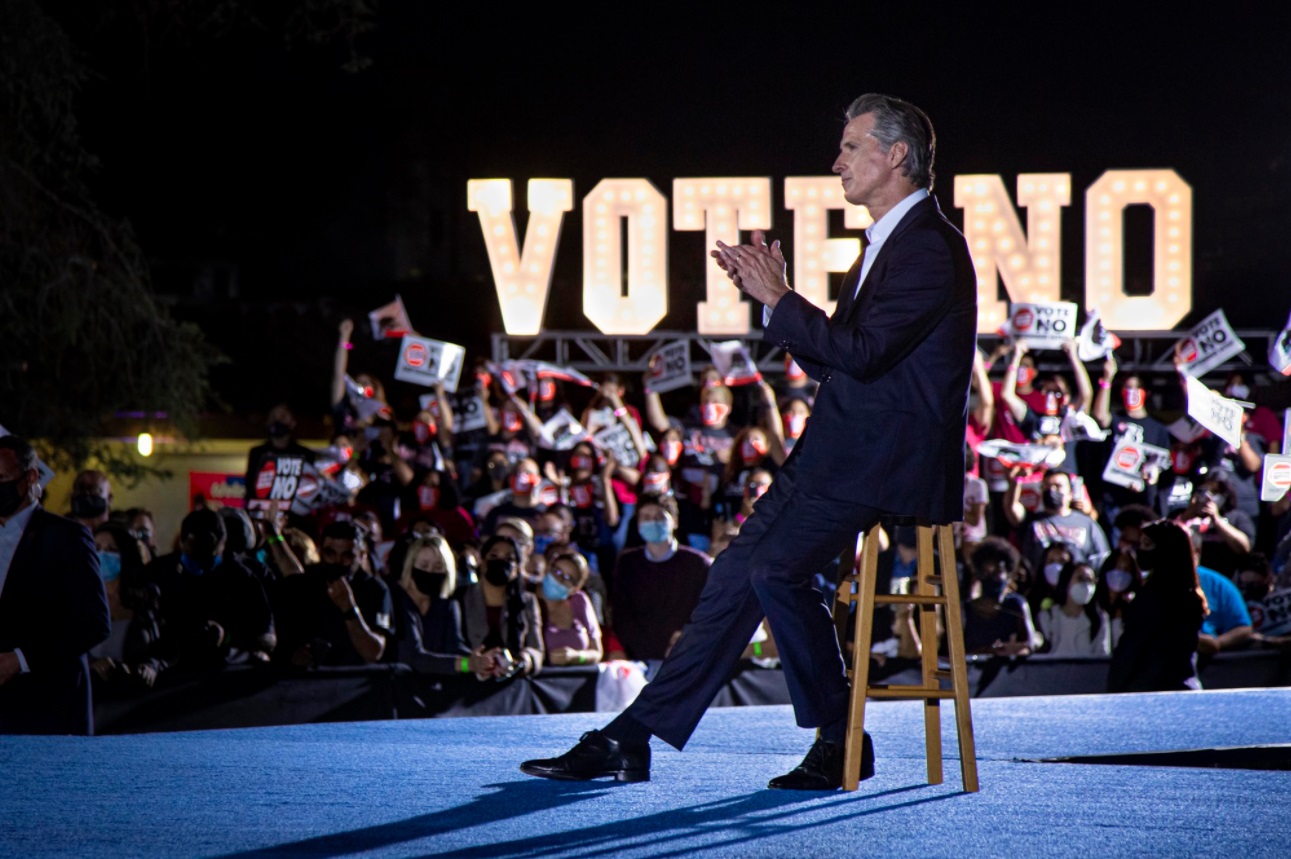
{"x":81,"y":334}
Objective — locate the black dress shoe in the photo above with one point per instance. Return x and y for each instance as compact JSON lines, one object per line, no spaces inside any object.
{"x":595,"y":755}
{"x":822,"y":769}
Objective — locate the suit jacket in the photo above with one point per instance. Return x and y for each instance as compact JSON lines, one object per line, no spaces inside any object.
{"x":887,"y":429}
{"x":54,"y":609}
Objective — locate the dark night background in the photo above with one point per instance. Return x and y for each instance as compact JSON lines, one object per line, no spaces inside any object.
{"x":274,"y":192}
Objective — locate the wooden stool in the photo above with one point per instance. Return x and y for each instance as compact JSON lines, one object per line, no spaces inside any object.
{"x":923,"y":594}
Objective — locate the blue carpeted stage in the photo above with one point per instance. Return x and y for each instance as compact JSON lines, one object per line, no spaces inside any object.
{"x":450,"y":787}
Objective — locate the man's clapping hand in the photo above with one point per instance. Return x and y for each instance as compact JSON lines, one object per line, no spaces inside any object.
{"x":757,"y":269}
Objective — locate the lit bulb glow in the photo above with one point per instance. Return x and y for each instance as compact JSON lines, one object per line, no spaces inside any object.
{"x":815,"y":255}
{"x":1171,"y":200}
{"x":721,"y":207}
{"x":523,"y":279}
{"x":145,"y":444}
{"x":1029,"y":264}
{"x":646,"y":300}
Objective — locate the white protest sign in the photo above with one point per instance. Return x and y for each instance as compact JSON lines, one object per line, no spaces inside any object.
{"x":423,"y":361}
{"x":1028,"y":455}
{"x":1277,"y":476}
{"x":1272,"y":616}
{"x":1078,"y":426}
{"x":1220,"y":415}
{"x":733,"y":361}
{"x":1134,"y":464}
{"x":1186,"y":429}
{"x":562,"y":432}
{"x":1210,"y":343}
{"x":1095,"y":342}
{"x":390,"y":321}
{"x":617,"y":440}
{"x":670,"y":368}
{"x":1043,"y":325}
{"x":468,"y":413}
{"x":1280,"y":350}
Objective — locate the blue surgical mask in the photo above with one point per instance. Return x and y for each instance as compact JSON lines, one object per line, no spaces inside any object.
{"x":542,"y":542}
{"x":262,"y":556}
{"x":109,"y":565}
{"x":654,"y":532}
{"x":554,"y":590}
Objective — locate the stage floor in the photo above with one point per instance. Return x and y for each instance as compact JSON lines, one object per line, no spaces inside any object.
{"x":451,"y":787}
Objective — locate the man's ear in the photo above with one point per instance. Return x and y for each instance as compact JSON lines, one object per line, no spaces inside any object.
{"x":897,"y":153}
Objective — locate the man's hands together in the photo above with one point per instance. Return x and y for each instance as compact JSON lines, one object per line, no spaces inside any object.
{"x":757,"y":269}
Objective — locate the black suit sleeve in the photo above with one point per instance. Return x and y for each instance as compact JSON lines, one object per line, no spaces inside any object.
{"x":78,"y":612}
{"x":913,"y":294}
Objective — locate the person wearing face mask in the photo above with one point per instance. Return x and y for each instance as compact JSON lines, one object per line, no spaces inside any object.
{"x":1134,"y":413}
{"x":1056,"y":521}
{"x":797,"y":384}
{"x":1223,"y":530}
{"x":1076,"y":625}
{"x":794,"y":413}
{"x":213,"y":609}
{"x":593,"y":504}
{"x":1040,"y":414}
{"x":126,"y":658}
{"x":503,"y":622}
{"x":488,"y":489}
{"x":436,"y":499}
{"x":337,"y":613}
{"x":525,"y":483}
{"x":752,"y":450}
{"x":570,"y":631}
{"x":655,"y":587}
{"x":1266,"y":604}
{"x":430,"y":637}
{"x":53,"y":606}
{"x":91,"y":500}
{"x":1157,"y":651}
{"x":1042,"y":591}
{"x":997,"y":621}
{"x":1119,"y":581}
{"x":281,"y":453}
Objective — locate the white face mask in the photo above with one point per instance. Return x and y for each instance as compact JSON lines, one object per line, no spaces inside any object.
{"x":1051,"y":573}
{"x":1239,"y":391}
{"x":1118,"y":581}
{"x":1081,"y":593}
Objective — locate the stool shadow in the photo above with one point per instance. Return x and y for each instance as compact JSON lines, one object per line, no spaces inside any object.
{"x":721,"y":823}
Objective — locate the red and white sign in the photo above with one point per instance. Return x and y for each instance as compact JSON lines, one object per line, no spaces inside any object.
{"x":423,"y":361}
{"x":1210,"y":343}
{"x":1134,"y":464}
{"x":1277,"y":477}
{"x":228,"y":489}
{"x":1042,"y":325}
{"x":390,"y":322}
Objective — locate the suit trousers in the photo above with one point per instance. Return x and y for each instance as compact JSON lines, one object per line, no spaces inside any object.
{"x":767,"y":570}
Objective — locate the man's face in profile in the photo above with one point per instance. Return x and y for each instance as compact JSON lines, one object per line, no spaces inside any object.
{"x":862,"y":164}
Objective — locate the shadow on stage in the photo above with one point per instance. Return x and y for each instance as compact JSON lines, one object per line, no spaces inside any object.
{"x":722,"y":823}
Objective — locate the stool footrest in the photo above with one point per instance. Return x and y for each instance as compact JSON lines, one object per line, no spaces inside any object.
{"x":908,"y":692}
{"x":909,"y":599}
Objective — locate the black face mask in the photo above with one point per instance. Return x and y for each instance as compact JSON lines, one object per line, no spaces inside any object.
{"x":993,"y":588}
{"x":86,"y":506}
{"x":11,"y":497}
{"x":1255,"y":591}
{"x":498,"y":471}
{"x":498,"y":571}
{"x":428,"y":583}
{"x":1052,"y":499}
{"x":278,"y":429}
{"x":332,"y":572}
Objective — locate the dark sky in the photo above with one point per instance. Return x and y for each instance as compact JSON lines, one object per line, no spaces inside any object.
{"x":314,"y":182}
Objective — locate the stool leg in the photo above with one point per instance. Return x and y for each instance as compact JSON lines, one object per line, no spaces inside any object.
{"x":928,"y":640}
{"x":958,"y":666}
{"x":862,"y":642}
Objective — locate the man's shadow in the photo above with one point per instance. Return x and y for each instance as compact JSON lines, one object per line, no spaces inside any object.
{"x":723,"y":822}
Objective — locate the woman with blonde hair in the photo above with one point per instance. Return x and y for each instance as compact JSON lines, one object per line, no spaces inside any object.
{"x":430,"y":637}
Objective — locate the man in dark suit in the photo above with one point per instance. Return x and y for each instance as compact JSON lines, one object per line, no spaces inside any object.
{"x":53,"y":607}
{"x":886,"y":436}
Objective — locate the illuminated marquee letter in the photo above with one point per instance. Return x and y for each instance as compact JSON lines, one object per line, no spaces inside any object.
{"x":1171,"y":200}
{"x":815,"y":254}
{"x":522,"y":280}
{"x":721,"y":208}
{"x":646,"y":299}
{"x":1029,"y":265}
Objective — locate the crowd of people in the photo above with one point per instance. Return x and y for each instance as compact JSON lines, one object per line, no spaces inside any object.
{"x":471,"y":539}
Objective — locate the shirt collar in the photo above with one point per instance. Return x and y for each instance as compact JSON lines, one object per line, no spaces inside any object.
{"x":21,"y":518}
{"x":883,"y":227}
